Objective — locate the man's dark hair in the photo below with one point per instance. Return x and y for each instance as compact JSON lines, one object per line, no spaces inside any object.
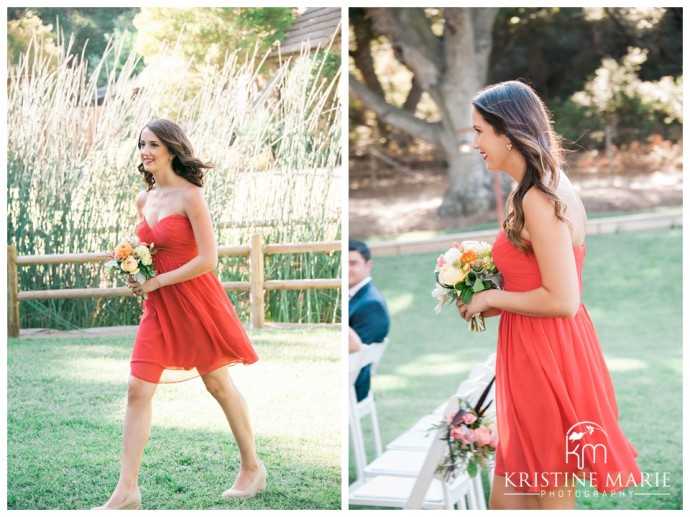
{"x":361,"y":248}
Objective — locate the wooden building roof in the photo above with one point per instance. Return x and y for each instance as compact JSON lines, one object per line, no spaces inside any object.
{"x":315,"y":28}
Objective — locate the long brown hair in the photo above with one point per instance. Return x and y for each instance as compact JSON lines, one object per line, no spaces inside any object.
{"x":184,"y":163}
{"x":513,"y":109}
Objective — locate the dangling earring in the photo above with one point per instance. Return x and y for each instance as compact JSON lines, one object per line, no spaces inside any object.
{"x":509,"y":146}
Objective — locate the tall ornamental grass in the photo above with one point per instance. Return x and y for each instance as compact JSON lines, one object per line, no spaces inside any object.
{"x":272,"y":129}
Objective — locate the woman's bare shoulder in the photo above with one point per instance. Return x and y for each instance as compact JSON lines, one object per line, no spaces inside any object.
{"x":537,"y":201}
{"x":140,"y":200}
{"x":193,"y":198}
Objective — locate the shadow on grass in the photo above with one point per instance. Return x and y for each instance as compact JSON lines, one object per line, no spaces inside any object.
{"x":65,"y":426}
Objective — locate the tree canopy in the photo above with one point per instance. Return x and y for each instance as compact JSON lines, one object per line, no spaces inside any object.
{"x":200,"y":36}
{"x":207,"y":35}
{"x":24,"y":27}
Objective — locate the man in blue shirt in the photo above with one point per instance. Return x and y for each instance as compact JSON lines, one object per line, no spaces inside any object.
{"x":368,"y":315}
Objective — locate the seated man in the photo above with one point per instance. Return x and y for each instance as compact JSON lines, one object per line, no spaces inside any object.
{"x":368,"y":316}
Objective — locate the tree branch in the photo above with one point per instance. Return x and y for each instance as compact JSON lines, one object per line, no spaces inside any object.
{"x":397,"y":117}
{"x":413,"y":96}
{"x":413,"y":41}
{"x":364,"y":61}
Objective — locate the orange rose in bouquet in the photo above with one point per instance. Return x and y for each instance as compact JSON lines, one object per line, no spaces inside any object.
{"x":134,"y":258}
{"x":463,"y":270}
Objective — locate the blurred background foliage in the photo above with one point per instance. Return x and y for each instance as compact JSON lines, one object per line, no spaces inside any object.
{"x":594,"y":67}
{"x":202,"y":36}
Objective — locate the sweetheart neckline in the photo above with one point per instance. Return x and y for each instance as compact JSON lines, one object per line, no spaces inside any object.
{"x":162,"y":219}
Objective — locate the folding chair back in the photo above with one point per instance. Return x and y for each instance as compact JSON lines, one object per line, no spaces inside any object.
{"x":433,"y":458}
{"x":369,"y":354}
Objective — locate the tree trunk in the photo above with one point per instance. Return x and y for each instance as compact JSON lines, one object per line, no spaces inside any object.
{"x":471,"y":186}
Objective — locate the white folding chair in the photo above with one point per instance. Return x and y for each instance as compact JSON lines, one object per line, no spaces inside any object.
{"x":418,"y":438}
{"x":419,"y":491}
{"x":482,"y":372}
{"x":422,"y":432}
{"x":369,"y":354}
{"x":355,"y":425}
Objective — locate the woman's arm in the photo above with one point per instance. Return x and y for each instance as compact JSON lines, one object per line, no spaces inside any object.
{"x":559,"y":295}
{"x":207,"y":259}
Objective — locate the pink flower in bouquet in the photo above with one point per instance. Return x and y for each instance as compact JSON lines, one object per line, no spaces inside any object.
{"x":494,"y":440}
{"x":482,"y":436}
{"x":469,"y":449}
{"x":463,"y":434}
{"x":469,"y":418}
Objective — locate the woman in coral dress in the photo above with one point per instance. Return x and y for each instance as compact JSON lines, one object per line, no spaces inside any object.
{"x":189,"y":328}
{"x":556,"y":409}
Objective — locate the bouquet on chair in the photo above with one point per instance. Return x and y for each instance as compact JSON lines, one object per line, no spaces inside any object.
{"x":472,"y":439}
{"x":463,"y":270}
{"x":132,"y":257}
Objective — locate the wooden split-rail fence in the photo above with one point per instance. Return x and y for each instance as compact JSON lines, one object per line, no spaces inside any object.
{"x":257,"y":285}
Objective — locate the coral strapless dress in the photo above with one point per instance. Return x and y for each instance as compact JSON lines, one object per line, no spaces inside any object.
{"x":556,"y":409}
{"x":189,"y":328}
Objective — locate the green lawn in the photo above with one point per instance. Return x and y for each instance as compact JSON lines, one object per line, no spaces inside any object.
{"x":66,"y":400}
{"x":633,"y":292}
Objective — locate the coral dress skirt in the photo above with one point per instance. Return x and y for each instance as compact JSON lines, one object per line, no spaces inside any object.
{"x":556,"y":409}
{"x":189,"y":328}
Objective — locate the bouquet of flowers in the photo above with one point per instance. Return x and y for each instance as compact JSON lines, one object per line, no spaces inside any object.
{"x":471,"y":437}
{"x":132,"y":257}
{"x":463,"y":270}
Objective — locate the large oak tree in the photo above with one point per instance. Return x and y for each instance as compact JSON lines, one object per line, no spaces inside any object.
{"x":451,"y":68}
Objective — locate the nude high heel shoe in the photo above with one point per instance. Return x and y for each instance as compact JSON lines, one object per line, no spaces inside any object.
{"x":257,"y":485}
{"x":133,"y":502}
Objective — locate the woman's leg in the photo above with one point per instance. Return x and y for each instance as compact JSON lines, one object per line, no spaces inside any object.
{"x":219,"y":384}
{"x":505,"y":497}
{"x":134,"y":437}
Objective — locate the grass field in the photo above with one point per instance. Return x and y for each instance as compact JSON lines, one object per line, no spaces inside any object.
{"x":633,"y":292}
{"x":66,"y":400}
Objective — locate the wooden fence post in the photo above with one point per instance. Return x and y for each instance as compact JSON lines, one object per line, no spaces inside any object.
{"x":12,"y":292}
{"x":256,"y":280}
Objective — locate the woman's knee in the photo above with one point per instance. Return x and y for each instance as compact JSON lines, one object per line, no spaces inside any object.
{"x":139,"y":392}
{"x":217,"y":388}
{"x":219,"y":384}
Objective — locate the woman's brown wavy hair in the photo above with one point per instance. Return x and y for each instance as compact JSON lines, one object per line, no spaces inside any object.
{"x":513,"y":109}
{"x":184,"y":163}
